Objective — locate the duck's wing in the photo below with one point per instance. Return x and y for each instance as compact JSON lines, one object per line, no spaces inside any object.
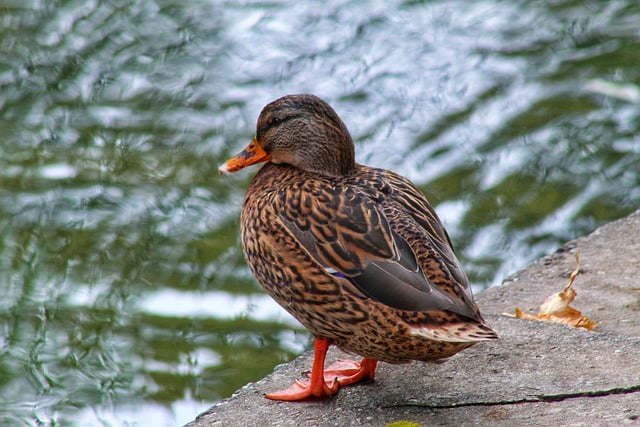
{"x":344,"y":230}
{"x":416,"y":205}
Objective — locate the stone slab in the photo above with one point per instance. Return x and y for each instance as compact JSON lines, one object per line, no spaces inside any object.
{"x":538,"y":373}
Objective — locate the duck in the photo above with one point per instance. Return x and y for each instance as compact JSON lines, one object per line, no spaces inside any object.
{"x":355,"y":253}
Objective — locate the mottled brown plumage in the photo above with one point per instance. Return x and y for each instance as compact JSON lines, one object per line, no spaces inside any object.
{"x":356,"y":254}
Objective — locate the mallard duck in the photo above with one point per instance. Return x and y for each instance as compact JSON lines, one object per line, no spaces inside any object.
{"x":355,"y":253}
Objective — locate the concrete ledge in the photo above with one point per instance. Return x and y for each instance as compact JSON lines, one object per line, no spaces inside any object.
{"x":536,"y":374}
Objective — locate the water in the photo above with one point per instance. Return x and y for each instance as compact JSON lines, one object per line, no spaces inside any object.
{"x":125,"y":297}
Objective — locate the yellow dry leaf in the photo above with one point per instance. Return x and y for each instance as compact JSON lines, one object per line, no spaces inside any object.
{"x":556,"y":307}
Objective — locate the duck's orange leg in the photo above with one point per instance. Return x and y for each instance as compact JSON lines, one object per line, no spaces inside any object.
{"x":317,"y":386}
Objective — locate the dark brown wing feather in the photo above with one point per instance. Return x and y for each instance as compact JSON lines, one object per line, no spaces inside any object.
{"x":417,"y":206}
{"x":347,"y":232}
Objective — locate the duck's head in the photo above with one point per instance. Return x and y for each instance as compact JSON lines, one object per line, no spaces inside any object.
{"x":302,"y":131}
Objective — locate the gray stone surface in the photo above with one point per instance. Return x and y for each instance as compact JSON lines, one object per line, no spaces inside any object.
{"x":538,"y":373}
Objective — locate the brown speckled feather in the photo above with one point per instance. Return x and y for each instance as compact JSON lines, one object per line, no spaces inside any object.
{"x":320,"y":226}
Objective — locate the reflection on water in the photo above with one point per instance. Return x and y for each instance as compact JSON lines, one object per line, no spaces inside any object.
{"x":125,"y":295}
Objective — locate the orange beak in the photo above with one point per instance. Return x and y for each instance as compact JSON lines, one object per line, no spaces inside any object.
{"x":251,"y":155}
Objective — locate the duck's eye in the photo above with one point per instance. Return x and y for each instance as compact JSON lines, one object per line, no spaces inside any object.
{"x":275,"y":121}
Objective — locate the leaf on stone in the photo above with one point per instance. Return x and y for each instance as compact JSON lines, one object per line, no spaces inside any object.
{"x":556,"y":307}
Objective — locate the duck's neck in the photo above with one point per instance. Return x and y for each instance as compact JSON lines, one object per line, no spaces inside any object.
{"x":337,"y":158}
{"x":337,"y":162}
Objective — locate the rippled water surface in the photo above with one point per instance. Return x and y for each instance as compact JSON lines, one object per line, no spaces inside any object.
{"x":124,"y":294}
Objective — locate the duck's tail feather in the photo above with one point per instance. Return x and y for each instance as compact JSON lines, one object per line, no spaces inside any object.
{"x":457,"y":332}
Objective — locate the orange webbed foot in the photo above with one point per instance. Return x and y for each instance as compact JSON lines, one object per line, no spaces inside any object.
{"x":325,"y":383}
{"x":301,"y":390}
{"x":347,"y":372}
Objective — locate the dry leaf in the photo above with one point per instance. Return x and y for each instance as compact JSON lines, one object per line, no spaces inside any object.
{"x":556,"y":307}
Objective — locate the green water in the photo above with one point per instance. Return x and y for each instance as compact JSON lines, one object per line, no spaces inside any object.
{"x":124,"y":297}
